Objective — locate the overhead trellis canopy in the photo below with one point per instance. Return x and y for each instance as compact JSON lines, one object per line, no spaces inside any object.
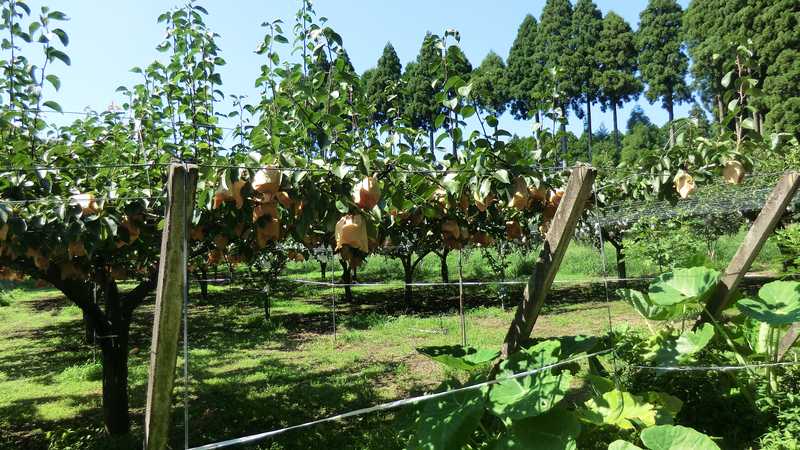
{"x":710,"y":200}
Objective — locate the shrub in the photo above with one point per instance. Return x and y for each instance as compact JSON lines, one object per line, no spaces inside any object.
{"x":788,"y":240}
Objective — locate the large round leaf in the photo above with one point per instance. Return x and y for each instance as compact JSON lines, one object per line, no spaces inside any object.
{"x":518,"y":398}
{"x":458,"y":357}
{"x":676,"y":437}
{"x":683,"y":286}
{"x":681,"y":349}
{"x":646,"y":308}
{"x":557,"y":429}
{"x":620,"y":409}
{"x":623,"y":445}
{"x":778,"y":303}
{"x":447,"y":422}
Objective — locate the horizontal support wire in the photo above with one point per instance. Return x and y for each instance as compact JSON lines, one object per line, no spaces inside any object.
{"x":59,"y":200}
{"x":392,"y":405}
{"x":398,"y":284}
{"x":714,"y":368}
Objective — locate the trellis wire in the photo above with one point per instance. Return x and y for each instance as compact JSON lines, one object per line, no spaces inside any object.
{"x":731,"y":368}
{"x":392,"y":405}
{"x":604,"y":262}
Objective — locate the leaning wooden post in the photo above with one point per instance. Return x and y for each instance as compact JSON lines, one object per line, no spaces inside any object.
{"x":762,"y":227}
{"x":556,"y":241}
{"x":788,"y":340}
{"x":172,"y":285}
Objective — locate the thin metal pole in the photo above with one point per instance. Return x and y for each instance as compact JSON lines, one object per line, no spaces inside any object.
{"x":333,"y":313}
{"x":184,"y":242}
{"x":461,"y":300}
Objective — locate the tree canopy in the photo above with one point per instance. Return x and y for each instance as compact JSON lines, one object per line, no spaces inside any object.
{"x":662,"y":61}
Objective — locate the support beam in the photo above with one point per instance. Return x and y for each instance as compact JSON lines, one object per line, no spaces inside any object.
{"x":170,"y":291}
{"x":762,"y":227}
{"x":788,"y":341}
{"x":556,"y":241}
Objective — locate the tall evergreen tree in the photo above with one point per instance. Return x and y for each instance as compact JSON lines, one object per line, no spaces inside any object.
{"x":638,"y":116}
{"x":662,"y":62}
{"x":421,"y":107}
{"x":457,"y":63}
{"x":551,"y":48}
{"x":776,"y":42}
{"x":489,"y":89}
{"x":587,"y":24}
{"x":386,"y":74}
{"x":523,"y":71}
{"x":712,"y":34}
{"x":617,"y":76}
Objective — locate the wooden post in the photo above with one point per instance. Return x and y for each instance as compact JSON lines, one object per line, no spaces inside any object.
{"x":577,"y":192}
{"x":788,"y":341}
{"x":170,"y":291}
{"x":762,"y":227}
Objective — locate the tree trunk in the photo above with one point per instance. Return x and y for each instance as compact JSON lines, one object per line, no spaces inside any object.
{"x":622,"y":270}
{"x":408,"y":276}
{"x":430,"y":138}
{"x":267,"y":304}
{"x":670,"y":118}
{"x":537,"y":134}
{"x":445,"y":271}
{"x":323,"y":266}
{"x":204,"y":284}
{"x":720,"y":109}
{"x":589,"y":124}
{"x":347,"y":279}
{"x":114,"y":350}
{"x":115,"y":382}
{"x":563,"y":129}
{"x":618,"y":154}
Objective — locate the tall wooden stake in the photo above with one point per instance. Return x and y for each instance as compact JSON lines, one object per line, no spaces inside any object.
{"x":577,"y":192}
{"x":762,"y":227}
{"x":172,"y":285}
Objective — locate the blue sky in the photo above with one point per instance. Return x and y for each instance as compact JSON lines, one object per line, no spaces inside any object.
{"x":107,"y":38}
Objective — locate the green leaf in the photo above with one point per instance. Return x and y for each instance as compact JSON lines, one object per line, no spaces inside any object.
{"x":681,"y":350}
{"x":53,"y":53}
{"x":532,"y":395}
{"x":621,"y":409}
{"x":645,"y":306}
{"x":458,"y":357}
{"x":557,"y":429}
{"x":623,"y":445}
{"x":683,"y":286}
{"x":502,"y":175}
{"x":778,"y":303}
{"x":341,"y":207}
{"x":52,"y":105}
{"x":676,"y":437}
{"x":54,"y":81}
{"x":447,"y":422}
{"x":726,"y":79}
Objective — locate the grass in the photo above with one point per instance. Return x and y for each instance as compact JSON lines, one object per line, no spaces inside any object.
{"x":249,"y":374}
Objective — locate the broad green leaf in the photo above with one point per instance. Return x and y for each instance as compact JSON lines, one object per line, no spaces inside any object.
{"x":621,"y":409}
{"x":623,"y":445}
{"x":502,"y":175}
{"x":646,"y":308}
{"x":448,"y":422}
{"x":532,"y":395}
{"x":668,"y":406}
{"x":683,"y":286}
{"x":680,"y":350}
{"x":458,"y":357}
{"x":676,"y":437}
{"x":557,"y":429}
{"x":778,"y":303}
